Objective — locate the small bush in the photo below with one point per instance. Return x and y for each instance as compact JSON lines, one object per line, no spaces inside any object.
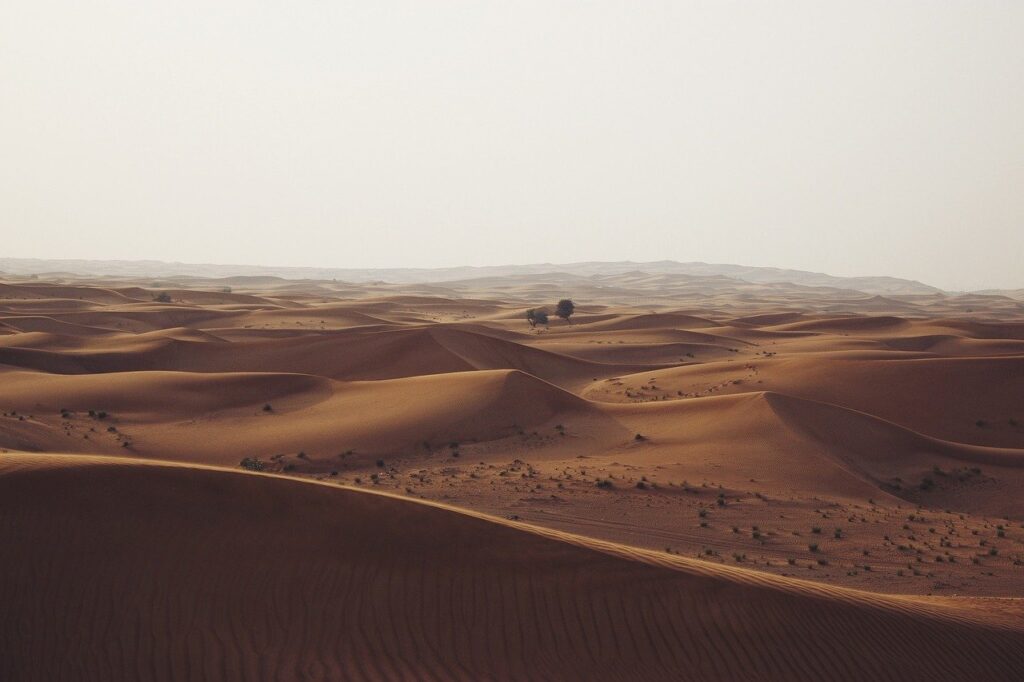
{"x":252,"y":464}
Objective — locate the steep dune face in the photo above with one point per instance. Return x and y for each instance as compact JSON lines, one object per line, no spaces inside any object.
{"x":163,"y":572}
{"x":908,"y":464}
{"x":973,"y":400}
{"x":792,"y":445}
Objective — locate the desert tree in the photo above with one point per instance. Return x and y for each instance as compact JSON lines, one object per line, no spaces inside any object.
{"x":535,"y":317}
{"x":565,"y":309}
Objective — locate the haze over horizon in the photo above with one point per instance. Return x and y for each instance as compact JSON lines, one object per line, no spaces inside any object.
{"x":876,"y":139}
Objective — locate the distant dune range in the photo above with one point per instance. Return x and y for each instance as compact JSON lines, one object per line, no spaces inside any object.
{"x":700,"y":477}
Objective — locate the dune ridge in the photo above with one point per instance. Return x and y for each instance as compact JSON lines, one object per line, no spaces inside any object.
{"x":373,"y":586}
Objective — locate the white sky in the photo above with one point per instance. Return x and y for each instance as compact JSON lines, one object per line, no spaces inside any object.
{"x":855,"y":138}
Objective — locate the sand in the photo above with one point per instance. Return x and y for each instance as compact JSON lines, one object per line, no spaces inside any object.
{"x":730,"y":481}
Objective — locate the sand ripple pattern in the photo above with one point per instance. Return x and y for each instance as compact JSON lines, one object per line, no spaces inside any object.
{"x":119,"y":570}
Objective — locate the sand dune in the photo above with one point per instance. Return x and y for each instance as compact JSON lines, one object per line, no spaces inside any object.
{"x":224,"y":417}
{"x":355,"y":354}
{"x":722,"y":480}
{"x":374,"y":587}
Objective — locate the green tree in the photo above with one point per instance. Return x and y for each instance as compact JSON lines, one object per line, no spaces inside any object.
{"x":565,"y":309}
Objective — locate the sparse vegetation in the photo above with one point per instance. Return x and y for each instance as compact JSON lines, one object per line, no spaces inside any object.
{"x":536,"y":317}
{"x":252,"y":464}
{"x":565,"y":309}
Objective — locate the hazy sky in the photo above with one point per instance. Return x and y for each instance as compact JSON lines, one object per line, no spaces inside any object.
{"x":854,"y":138}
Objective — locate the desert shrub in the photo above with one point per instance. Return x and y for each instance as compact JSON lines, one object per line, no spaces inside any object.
{"x":162,"y":297}
{"x":813,"y":546}
{"x":252,"y":464}
{"x":604,"y":483}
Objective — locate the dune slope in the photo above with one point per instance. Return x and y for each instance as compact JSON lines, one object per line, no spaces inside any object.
{"x":155,"y":571}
